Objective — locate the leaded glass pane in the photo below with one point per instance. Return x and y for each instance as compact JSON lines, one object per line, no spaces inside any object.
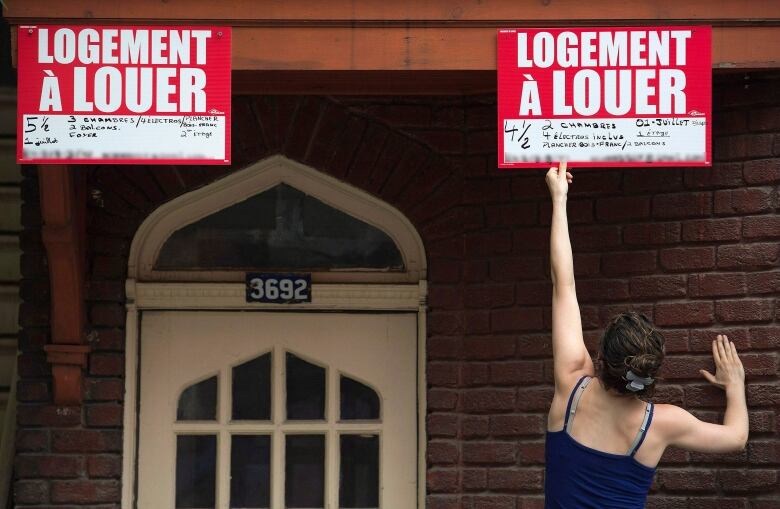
{"x":305,"y":389}
{"x":304,"y":471}
{"x":281,"y":228}
{"x":358,"y":401}
{"x":198,"y":402}
{"x":250,"y":471}
{"x":196,"y":471}
{"x":252,"y":389}
{"x":359,"y":479}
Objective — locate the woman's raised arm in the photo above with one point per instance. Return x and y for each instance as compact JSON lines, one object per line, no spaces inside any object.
{"x":570,"y":357}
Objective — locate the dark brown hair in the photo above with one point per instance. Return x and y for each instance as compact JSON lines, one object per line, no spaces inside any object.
{"x":630,"y":343}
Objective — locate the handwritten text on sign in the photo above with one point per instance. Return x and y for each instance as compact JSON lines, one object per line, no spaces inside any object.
{"x":604,"y":96}
{"x":124,"y":95}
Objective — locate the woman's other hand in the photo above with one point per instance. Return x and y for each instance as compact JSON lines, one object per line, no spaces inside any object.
{"x":558,"y":180}
{"x":728,"y":368}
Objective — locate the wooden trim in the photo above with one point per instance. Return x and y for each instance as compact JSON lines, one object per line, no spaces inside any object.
{"x":402,"y":11}
{"x":63,"y":208}
{"x":408,"y":35}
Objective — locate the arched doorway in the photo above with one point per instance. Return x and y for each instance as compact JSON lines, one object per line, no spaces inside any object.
{"x":235,"y":404}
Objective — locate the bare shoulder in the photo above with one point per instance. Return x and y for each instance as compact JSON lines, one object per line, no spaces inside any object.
{"x":670,"y":420}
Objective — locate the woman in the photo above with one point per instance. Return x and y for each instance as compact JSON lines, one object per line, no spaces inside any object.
{"x":603,"y":440}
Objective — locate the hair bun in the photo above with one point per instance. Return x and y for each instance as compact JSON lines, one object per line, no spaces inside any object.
{"x":644,"y":365}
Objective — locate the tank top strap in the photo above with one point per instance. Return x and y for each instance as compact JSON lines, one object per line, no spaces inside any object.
{"x":574,"y":400}
{"x":642,"y":433}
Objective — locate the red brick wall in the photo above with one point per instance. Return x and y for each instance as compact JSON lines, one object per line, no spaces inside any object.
{"x":695,"y":249}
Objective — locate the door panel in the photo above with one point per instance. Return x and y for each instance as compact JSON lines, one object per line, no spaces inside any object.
{"x":367,"y":355}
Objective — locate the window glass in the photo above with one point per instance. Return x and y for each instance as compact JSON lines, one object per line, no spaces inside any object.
{"x":359,"y":480}
{"x":196,"y":471}
{"x":198,"y":402}
{"x":305,"y":390}
{"x":358,"y":401}
{"x":304,"y":485}
{"x":252,"y":389}
{"x":250,"y":471}
{"x":281,"y":228}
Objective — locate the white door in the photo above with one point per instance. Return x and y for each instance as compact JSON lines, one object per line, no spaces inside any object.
{"x":277,"y":410}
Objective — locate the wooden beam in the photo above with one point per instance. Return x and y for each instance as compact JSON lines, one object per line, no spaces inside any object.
{"x":405,"y":11}
{"x":408,"y":35}
{"x":63,"y":207}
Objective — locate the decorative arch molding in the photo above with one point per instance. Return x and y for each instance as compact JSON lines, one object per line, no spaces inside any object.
{"x":254,"y":179}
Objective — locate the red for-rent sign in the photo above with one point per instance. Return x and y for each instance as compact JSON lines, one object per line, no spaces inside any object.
{"x":605,"y":96}
{"x":124,"y":94}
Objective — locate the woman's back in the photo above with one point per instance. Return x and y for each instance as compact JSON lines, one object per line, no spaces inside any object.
{"x":584,"y":467}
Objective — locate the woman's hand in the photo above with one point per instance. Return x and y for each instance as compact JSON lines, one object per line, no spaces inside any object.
{"x":728,"y":368}
{"x":558,"y":180}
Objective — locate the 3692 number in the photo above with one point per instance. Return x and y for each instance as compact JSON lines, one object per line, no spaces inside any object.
{"x":278,"y":288}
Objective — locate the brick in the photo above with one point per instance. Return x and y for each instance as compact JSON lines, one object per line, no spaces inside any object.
{"x":48,"y":415}
{"x":651,"y":233}
{"x":643,"y":179}
{"x":719,"y":176}
{"x":657,"y":286}
{"x":683,"y":259}
{"x":765,"y":338}
{"x":517,"y":425}
{"x":442,"y":374}
{"x":683,"y":313}
{"x":594,"y":237}
{"x":512,"y":214}
{"x":484,"y":244}
{"x":514,"y":268}
{"x":596,"y":182}
{"x":442,"y":425}
{"x":601,"y":290}
{"x":484,"y":348}
{"x":444,"y":271}
{"x":489,"y":296}
{"x":747,"y":310}
{"x":104,"y":415}
{"x":73,"y":441}
{"x":682,"y":205}
{"x":107,"y":315}
{"x":106,"y":364}
{"x":105,"y":390}
{"x":474,"y":479}
{"x":687,"y":480}
{"x":515,"y":319}
{"x":441,"y":453}
{"x":31,"y":492}
{"x":475,"y":374}
{"x":753,"y":480}
{"x":444,"y":141}
{"x":744,"y":256}
{"x":516,"y":373}
{"x":445,"y":323}
{"x":762,"y":171}
{"x":32,"y":391}
{"x":712,"y":230}
{"x":628,"y":262}
{"x":48,"y":466}
{"x":743,"y":201}
{"x":29,"y":440}
{"x":442,"y":481}
{"x":474,"y":426}
{"x":515,"y":479}
{"x":85,"y":492}
{"x":577,"y":212}
{"x":489,"y":452}
{"x":716,"y":285}
{"x":104,"y":466}
{"x":764,"y":119}
{"x":761,"y":227}
{"x":622,"y":208}
{"x":488,"y":400}
{"x":534,"y":399}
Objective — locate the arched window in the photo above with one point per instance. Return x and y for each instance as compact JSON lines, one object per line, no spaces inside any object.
{"x":277,"y":215}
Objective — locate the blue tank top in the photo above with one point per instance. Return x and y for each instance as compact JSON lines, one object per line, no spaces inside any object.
{"x":579,"y":477}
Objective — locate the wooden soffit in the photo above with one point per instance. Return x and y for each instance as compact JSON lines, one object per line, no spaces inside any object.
{"x":434,"y":41}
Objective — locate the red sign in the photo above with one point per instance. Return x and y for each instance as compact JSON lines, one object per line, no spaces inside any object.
{"x":124,"y":94}
{"x":612,"y":96}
